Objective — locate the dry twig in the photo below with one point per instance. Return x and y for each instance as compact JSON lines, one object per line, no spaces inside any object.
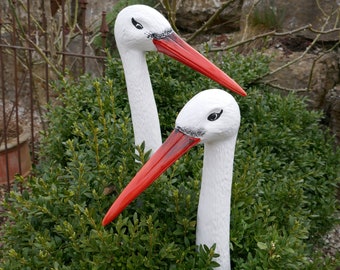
{"x":264,"y":35}
{"x":210,"y":21}
{"x":306,"y":50}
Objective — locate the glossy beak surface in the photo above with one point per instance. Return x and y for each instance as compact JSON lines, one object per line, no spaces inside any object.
{"x":175,"y":47}
{"x":172,"y":149}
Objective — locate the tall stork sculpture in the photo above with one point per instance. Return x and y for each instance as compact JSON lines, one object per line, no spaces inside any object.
{"x":211,"y":117}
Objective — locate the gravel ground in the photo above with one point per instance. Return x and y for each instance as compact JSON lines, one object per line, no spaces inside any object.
{"x":332,"y":243}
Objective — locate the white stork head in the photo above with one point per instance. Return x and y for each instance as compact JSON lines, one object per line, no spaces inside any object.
{"x":142,"y":28}
{"x":210,"y":116}
{"x":137,"y":25}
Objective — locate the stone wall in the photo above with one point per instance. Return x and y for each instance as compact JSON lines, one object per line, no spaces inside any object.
{"x":192,"y":14}
{"x":321,"y":14}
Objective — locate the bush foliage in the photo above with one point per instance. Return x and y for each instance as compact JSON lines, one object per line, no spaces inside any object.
{"x":283,"y":197}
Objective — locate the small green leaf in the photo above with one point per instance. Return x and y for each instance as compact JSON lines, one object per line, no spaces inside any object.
{"x":262,"y":245}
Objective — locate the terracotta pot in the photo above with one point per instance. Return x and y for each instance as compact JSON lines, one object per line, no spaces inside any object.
{"x":13,"y":158}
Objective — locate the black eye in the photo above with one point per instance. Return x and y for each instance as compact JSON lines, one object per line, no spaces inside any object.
{"x":136,"y":24}
{"x":214,"y":116}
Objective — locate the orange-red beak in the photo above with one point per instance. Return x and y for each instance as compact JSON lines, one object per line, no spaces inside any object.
{"x":172,"y":149}
{"x":175,"y":47}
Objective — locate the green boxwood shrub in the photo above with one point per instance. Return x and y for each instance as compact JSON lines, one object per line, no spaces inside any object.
{"x":283,"y":197}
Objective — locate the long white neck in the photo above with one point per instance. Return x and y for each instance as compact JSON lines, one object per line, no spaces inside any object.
{"x":142,"y":102}
{"x":213,"y":217}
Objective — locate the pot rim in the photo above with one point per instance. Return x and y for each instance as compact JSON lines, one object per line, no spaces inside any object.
{"x":23,"y":137}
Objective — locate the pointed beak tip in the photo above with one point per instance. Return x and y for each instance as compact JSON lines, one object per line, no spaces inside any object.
{"x":106,"y":221}
{"x":244,"y":94}
{"x":239,"y":91}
